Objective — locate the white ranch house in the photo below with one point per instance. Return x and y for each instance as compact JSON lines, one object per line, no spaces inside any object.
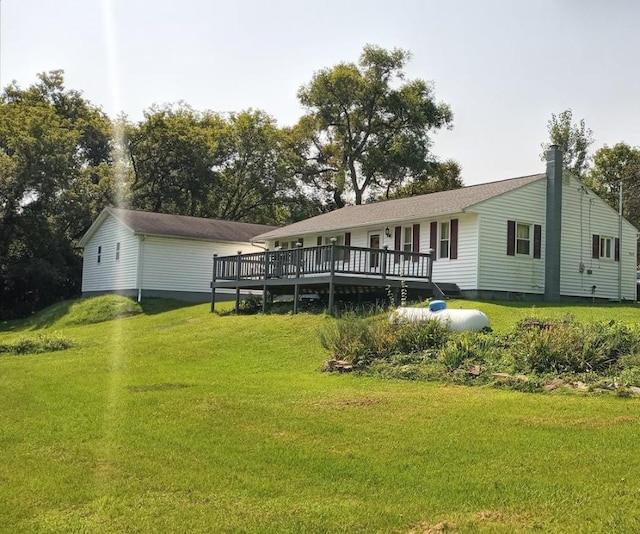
{"x":143,"y":254}
{"x":544,"y":236}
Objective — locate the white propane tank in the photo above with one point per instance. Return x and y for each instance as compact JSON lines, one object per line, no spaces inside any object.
{"x":456,"y":320}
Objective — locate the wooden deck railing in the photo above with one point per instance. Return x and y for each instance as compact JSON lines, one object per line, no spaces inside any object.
{"x":323,"y":260}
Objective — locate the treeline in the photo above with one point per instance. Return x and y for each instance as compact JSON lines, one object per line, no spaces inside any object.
{"x":365,"y":135}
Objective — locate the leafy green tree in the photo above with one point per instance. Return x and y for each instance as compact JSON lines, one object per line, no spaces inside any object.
{"x":227,"y":166}
{"x":366,"y":129}
{"x":254,"y":182}
{"x":573,"y":139}
{"x":441,"y":176}
{"x":172,"y":155}
{"x":54,"y":163}
{"x":612,"y":166}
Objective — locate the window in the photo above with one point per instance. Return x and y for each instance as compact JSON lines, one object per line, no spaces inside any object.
{"x":117,"y":251}
{"x":339,"y":239}
{"x":408,"y":239}
{"x":444,"y":239}
{"x":340,"y":253}
{"x":99,"y":254}
{"x":606,"y":248}
{"x":523,"y":239}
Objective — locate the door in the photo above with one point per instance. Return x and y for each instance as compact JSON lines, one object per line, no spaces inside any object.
{"x":374,"y":255}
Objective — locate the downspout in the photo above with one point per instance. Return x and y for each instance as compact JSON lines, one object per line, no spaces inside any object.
{"x":140,"y":267}
{"x":553,"y":232}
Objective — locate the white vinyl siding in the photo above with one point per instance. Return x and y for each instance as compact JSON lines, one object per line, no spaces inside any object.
{"x":109,"y":274}
{"x":497,"y":271}
{"x":461,"y":271}
{"x":583,"y":216}
{"x":183,"y":265}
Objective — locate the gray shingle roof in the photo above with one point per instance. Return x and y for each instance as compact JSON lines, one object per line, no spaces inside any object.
{"x":402,"y":209}
{"x":160,"y":224}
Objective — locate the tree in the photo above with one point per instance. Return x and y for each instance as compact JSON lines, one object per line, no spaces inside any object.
{"x":442,"y":176}
{"x":172,"y":155}
{"x":612,"y":166}
{"x":227,"y":166}
{"x":254,"y":183}
{"x":54,"y":170}
{"x":366,"y":129}
{"x":574,"y":141}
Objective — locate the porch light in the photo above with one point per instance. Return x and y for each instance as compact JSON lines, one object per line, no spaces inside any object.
{"x":387,"y":232}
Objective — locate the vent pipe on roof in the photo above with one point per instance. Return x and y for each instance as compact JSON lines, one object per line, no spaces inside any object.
{"x":553,"y":225}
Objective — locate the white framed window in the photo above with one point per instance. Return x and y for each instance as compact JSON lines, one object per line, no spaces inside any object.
{"x":445,"y":239}
{"x":606,"y":248}
{"x":523,"y":239}
{"x":99,"y":254}
{"x":118,"y":251}
{"x":407,"y":243}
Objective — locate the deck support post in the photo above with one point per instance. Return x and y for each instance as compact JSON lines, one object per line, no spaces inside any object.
{"x":296,"y":288}
{"x":238,"y":263}
{"x":265,"y":293}
{"x":213,"y":284}
{"x":430,"y":265}
{"x":383,"y":267}
{"x":332,"y":273}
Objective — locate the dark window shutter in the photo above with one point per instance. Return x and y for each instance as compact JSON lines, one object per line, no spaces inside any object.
{"x":416,"y":240}
{"x":617,"y":249}
{"x":397,"y":240}
{"x":595,"y":247}
{"x":453,"y":240}
{"x":537,"y":241}
{"x":511,"y":238}
{"x":347,"y":243}
{"x":433,"y":240}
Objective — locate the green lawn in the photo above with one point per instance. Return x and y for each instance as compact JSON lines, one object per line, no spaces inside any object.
{"x":183,"y":421}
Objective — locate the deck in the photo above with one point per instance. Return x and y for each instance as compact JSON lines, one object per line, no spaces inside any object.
{"x":327,"y":270}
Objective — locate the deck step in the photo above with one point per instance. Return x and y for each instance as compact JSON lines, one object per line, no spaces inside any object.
{"x":447,"y":290}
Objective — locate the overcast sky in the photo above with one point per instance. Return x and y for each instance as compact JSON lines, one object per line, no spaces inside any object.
{"x":503,"y":66}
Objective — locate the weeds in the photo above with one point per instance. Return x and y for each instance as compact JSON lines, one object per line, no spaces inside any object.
{"x":605,"y":354}
{"x":36,"y":345}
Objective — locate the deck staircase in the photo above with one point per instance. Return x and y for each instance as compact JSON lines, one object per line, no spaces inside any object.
{"x":446,"y":290}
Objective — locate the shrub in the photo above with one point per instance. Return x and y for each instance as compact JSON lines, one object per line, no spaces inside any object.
{"x":360,"y":340}
{"x":456,"y":352}
{"x":630,"y":376}
{"x":250,"y":305}
{"x":36,"y":345}
{"x":525,"y":359}
{"x":416,"y":337}
{"x":569,"y":347}
{"x":350,"y":338}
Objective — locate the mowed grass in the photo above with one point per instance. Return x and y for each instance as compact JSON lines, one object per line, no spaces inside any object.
{"x":183,"y":421}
